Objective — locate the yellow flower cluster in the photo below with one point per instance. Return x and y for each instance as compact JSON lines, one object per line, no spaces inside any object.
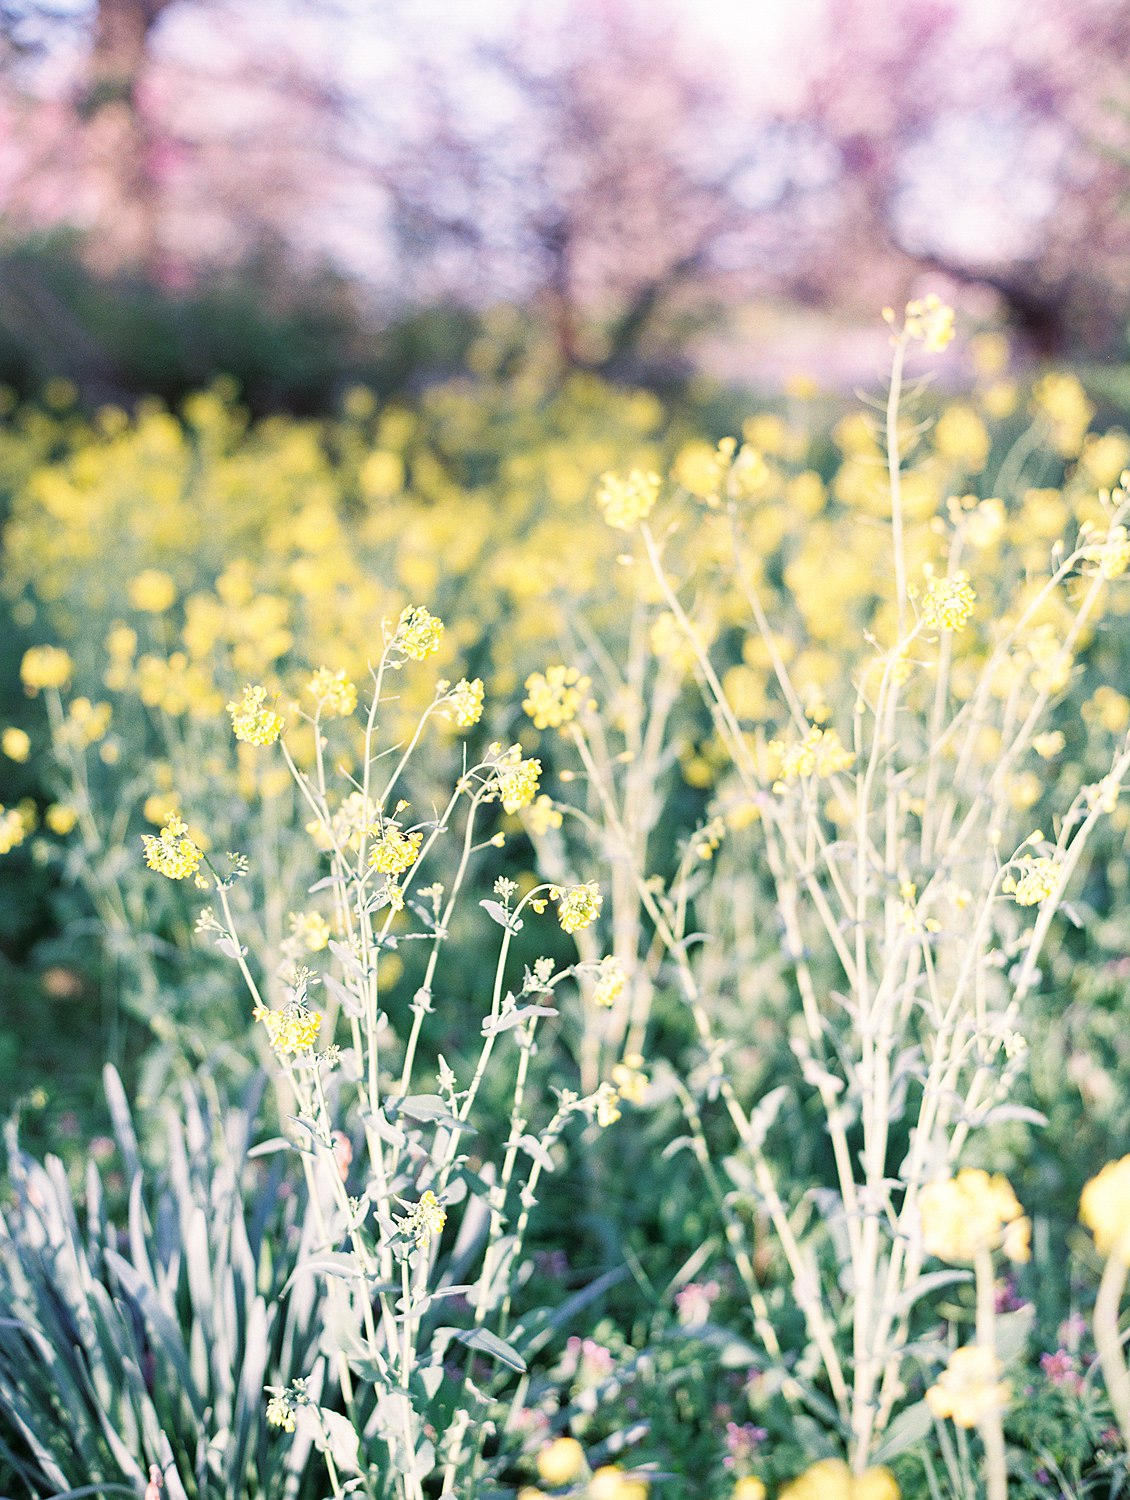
{"x":419,"y":633}
{"x":171,"y":852}
{"x":394,"y":851}
{"x":1105,"y":1209}
{"x":627,"y":502}
{"x":543,"y":816}
{"x":607,"y":1105}
{"x":280,"y":1413}
{"x":16,"y":744}
{"x":972,"y":1212}
{"x":333,"y":692}
{"x":969,"y":1389}
{"x":555,"y":696}
{"x":518,"y":780}
{"x":292,"y":1029}
{"x":251,"y":721}
{"x":13,"y":829}
{"x":831,"y":1479}
{"x":630,"y":1080}
{"x":310,"y":929}
{"x":46,"y":667}
{"x":464,"y":702}
{"x":152,"y":591}
{"x":425,"y":1220}
{"x":561,"y":1462}
{"x":820,"y":753}
{"x":1035,"y":880}
{"x":578,"y":906}
{"x":948,"y":602}
{"x":930,"y":320}
{"x":610,"y":982}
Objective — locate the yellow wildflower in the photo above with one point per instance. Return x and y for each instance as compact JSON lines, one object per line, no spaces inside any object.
{"x":749,"y":1487}
{"x":929,"y":319}
{"x":610,"y":982}
{"x":607,"y":1102}
{"x":251,"y":721}
{"x":152,"y":591}
{"x":170,"y":852}
{"x":631,"y":1081}
{"x":333,"y":692}
{"x":969,"y":1389}
{"x":1105,"y":1208}
{"x":16,"y":744}
{"x":13,"y":829}
{"x":1112,"y":553}
{"x":820,"y":753}
{"x":394,"y":851}
{"x":464,"y":702}
{"x":578,"y":905}
{"x":60,"y":818}
{"x":311,"y":929}
{"x":425,"y":1220}
{"x":561,"y":1462}
{"x":518,"y":781}
{"x":419,"y":632}
{"x":970,"y":1213}
{"x":45,"y":667}
{"x":280,"y":1413}
{"x":543,"y":816}
{"x":948,"y":602}
{"x":290,"y":1030}
{"x":609,"y":1482}
{"x":831,"y":1479}
{"x":1036,"y":880}
{"x":1061,"y":400}
{"x":556,"y":696}
{"x":626,"y":502}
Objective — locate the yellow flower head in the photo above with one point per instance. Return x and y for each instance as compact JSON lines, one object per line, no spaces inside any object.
{"x":333,"y":692}
{"x":464,"y":702}
{"x":971,"y":1212}
{"x":425,"y":1220}
{"x":947,"y":603}
{"x":607,"y":1104}
{"x":820,"y":753}
{"x":13,"y":829}
{"x":609,"y":1482}
{"x":631,"y":1081}
{"x":626,"y":502}
{"x":749,"y":1487}
{"x":419,"y":632}
{"x":251,"y":721}
{"x":171,"y":853}
{"x":518,"y":781}
{"x":831,"y":1479}
{"x":394,"y":851}
{"x":291,"y":1030}
{"x":969,"y":1389}
{"x":280,"y":1413}
{"x":578,"y":906}
{"x":555,"y":696}
{"x":543,"y":816}
{"x":561,"y":1462}
{"x":610,"y":982}
{"x":152,"y":592}
{"x":1105,"y":1208}
{"x":15,"y":744}
{"x":311,"y":929}
{"x":60,"y":818}
{"x":1034,"y":880}
{"x":930,"y":320}
{"x":46,"y":667}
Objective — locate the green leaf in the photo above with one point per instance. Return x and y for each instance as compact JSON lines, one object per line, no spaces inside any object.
{"x":908,"y":1428}
{"x":486,"y":1342}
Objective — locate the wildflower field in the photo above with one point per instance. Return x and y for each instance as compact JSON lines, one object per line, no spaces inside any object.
{"x":606,"y":923}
